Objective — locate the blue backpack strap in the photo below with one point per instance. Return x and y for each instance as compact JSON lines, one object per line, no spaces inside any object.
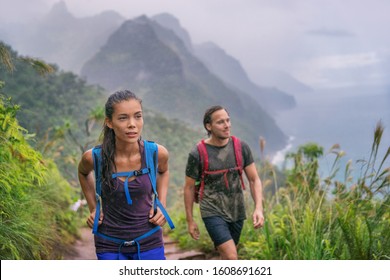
{"x":126,"y":183}
{"x":151,"y":158}
{"x":97,"y":163}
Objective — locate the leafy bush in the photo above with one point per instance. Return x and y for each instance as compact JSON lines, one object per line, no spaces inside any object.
{"x":34,"y":209}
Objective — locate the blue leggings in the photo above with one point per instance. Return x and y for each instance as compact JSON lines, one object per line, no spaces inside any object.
{"x":154,"y":254}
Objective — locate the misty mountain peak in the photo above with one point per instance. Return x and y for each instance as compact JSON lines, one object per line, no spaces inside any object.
{"x":60,"y":9}
{"x":172,"y":23}
{"x":168,"y":19}
{"x":230,"y":70}
{"x":133,"y":54}
{"x":141,"y":19}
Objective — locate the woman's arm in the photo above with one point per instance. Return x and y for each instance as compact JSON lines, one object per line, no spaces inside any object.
{"x":189,"y":186}
{"x":162,"y":174}
{"x":162,"y":185}
{"x":87,"y":182}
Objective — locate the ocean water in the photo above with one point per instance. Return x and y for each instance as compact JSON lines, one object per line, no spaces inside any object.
{"x":345,"y":117}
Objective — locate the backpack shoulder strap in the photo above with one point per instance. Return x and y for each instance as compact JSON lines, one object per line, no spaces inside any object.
{"x":151,"y":159}
{"x":237,"y":151}
{"x":203,"y":156}
{"x":204,"y":162}
{"x":238,"y":155}
{"x":97,"y":166}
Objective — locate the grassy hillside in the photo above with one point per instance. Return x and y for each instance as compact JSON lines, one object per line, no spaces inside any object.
{"x":36,"y":221}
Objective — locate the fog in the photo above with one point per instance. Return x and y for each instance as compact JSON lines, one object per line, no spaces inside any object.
{"x":324,"y":43}
{"x":340,"y":49}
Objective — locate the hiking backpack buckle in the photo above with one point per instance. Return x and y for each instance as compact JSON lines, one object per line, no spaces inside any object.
{"x":128,"y":243}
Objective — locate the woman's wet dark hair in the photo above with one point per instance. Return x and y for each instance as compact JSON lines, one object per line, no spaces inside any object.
{"x":108,"y":144}
{"x":208,"y":113}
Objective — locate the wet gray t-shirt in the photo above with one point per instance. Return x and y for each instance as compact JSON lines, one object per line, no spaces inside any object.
{"x":220,"y":199}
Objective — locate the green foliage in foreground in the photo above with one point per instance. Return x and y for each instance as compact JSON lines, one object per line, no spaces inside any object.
{"x":58,"y":107}
{"x":313,"y":218}
{"x":34,"y":199}
{"x":307,"y":217}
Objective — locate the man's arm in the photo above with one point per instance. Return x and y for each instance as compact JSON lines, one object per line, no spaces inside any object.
{"x":257,"y":194}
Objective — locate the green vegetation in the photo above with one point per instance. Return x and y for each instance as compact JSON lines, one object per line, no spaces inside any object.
{"x":310,"y":218}
{"x":58,"y":116}
{"x":61,"y":118}
{"x":35,"y":198}
{"x":58,"y":108}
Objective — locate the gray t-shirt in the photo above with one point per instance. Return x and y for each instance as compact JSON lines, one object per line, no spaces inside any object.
{"x":218,"y":198}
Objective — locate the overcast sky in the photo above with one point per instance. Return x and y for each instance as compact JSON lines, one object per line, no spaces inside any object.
{"x":321,"y":42}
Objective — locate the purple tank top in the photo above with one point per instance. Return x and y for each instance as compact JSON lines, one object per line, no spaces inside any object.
{"x":125,"y":221}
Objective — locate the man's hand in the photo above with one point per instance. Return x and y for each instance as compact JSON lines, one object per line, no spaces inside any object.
{"x":258,"y":219}
{"x":193,"y":230}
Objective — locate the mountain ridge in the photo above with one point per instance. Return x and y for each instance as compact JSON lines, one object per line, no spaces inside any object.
{"x":169,"y":75}
{"x":229,"y":69}
{"x":151,"y":60}
{"x":62,"y":39}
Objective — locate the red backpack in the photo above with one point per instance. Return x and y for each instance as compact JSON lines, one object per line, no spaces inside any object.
{"x":199,"y":187}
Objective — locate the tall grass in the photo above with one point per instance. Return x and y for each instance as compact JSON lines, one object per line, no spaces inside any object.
{"x":35,"y":220}
{"x":312,"y":218}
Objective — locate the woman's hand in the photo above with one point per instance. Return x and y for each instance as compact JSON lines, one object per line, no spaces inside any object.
{"x":91,"y":218}
{"x":158,"y":218}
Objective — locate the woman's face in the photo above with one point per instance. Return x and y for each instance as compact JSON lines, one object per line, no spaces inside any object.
{"x":127,"y":121}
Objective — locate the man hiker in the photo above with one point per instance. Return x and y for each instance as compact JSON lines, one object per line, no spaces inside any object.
{"x":214,"y":179}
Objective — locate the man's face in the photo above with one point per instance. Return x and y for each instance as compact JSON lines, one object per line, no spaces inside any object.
{"x":220,"y":124}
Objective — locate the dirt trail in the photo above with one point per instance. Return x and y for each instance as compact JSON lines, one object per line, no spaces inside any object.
{"x":84,"y":249}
